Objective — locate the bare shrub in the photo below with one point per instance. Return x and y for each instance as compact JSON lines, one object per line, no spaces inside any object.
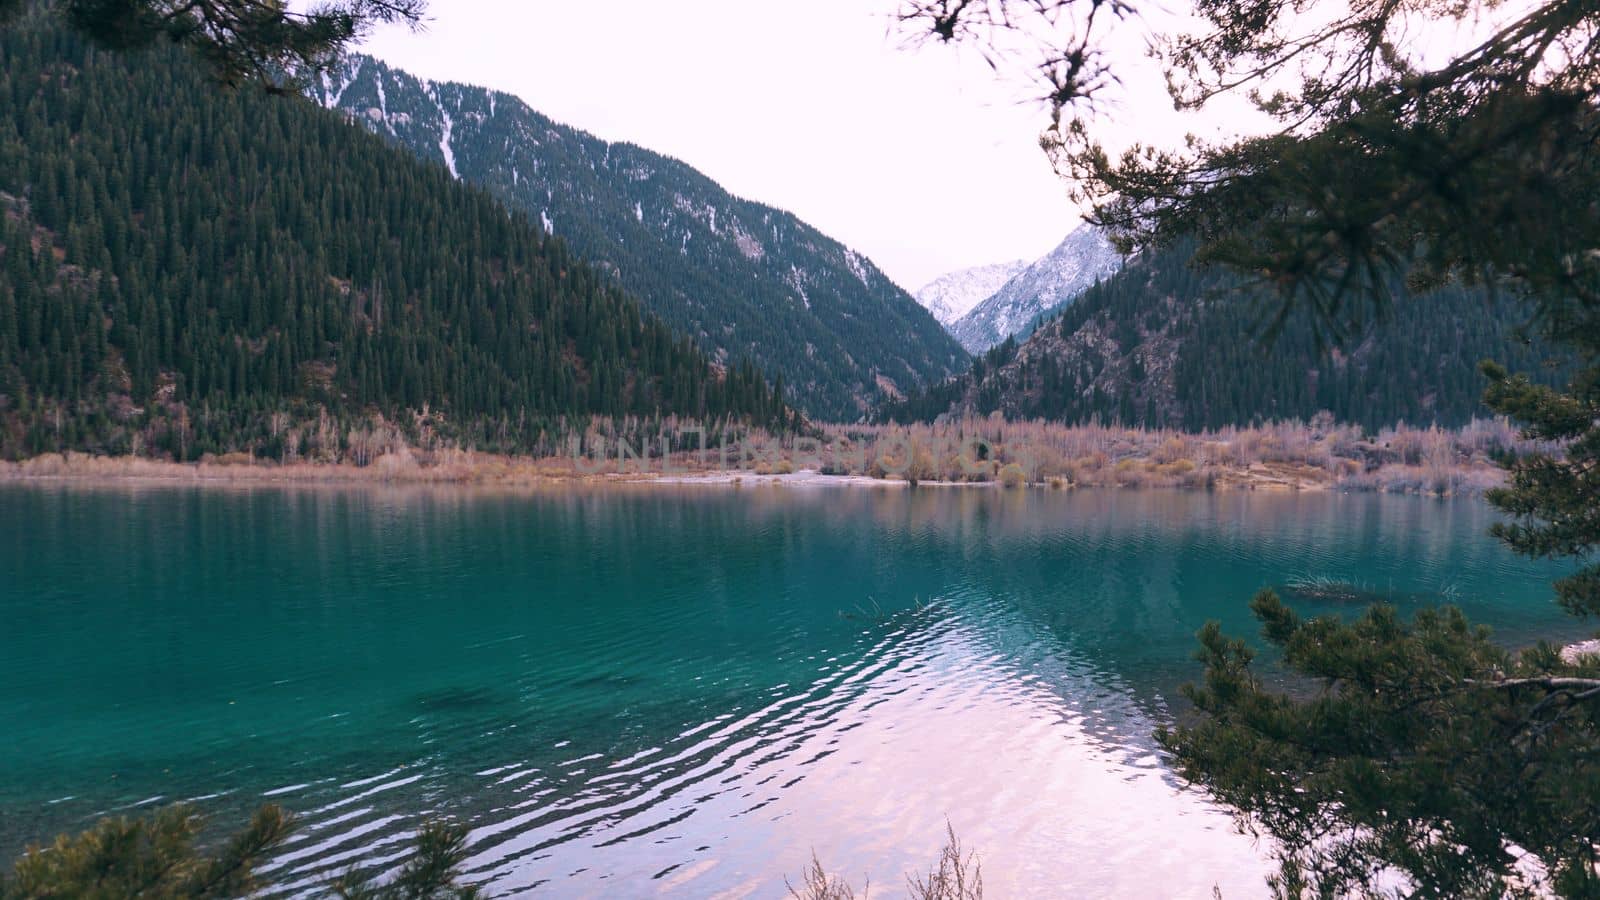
{"x":1401,"y":459}
{"x":1049,"y":460}
{"x":817,"y":884}
{"x":1489,"y":436}
{"x":1175,"y":469}
{"x":1012,"y":475}
{"x":1091,"y":463}
{"x":1130,"y":473}
{"x":1321,"y":453}
{"x":395,"y":465}
{"x":1171,"y":450}
{"x":956,"y":876}
{"x":1407,"y":443}
{"x":920,"y":467}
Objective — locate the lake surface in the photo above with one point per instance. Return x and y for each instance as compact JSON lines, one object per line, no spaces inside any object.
{"x":677,"y":691}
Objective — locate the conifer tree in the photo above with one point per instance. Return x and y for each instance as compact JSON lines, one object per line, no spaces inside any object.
{"x":1421,"y":759}
{"x":156,"y":856}
{"x":266,"y":42}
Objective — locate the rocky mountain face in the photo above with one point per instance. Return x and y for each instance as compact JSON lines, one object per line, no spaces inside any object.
{"x":1086,"y":256}
{"x":951,"y":296}
{"x":1162,"y":343}
{"x":744,"y":280}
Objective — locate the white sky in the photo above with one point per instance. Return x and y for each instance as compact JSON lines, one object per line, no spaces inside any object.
{"x":922,"y":158}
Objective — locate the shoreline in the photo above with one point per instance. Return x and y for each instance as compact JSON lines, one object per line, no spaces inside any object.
{"x":490,"y":470}
{"x":1282,"y":456}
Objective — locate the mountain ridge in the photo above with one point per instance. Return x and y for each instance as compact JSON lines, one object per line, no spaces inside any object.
{"x":187,"y":271}
{"x":1083,"y":257}
{"x":954,"y":294}
{"x":744,"y":279}
{"x":1164,"y":344}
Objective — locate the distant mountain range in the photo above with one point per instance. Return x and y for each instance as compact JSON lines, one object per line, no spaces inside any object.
{"x":1083,"y":258}
{"x":744,"y":280}
{"x":951,"y":296}
{"x":1162,"y":343}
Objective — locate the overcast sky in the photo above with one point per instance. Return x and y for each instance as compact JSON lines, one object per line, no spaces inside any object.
{"x":921,"y":158}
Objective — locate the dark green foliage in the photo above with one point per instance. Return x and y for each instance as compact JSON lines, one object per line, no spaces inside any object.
{"x":1425,"y":750}
{"x":430,"y":875}
{"x":1164,"y":343}
{"x":1554,"y":497}
{"x":151,"y":857}
{"x":1392,"y":157}
{"x":1420,"y":747}
{"x":155,"y":857}
{"x":185,"y":270}
{"x":239,"y":40}
{"x":1481,"y":172}
{"x":742,"y":279}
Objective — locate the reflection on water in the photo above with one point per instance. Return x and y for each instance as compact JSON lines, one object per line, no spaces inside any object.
{"x":680,"y":691}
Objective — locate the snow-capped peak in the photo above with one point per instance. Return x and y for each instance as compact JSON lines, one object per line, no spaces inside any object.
{"x":953,"y":295}
{"x":1057,"y":278}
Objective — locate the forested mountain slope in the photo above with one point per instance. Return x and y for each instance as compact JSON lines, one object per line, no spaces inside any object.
{"x":1165,"y":344}
{"x":741,"y":278}
{"x":188,"y":270}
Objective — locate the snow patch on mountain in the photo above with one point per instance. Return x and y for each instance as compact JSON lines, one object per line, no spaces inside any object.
{"x":383,"y":103}
{"x":857,"y":267}
{"x":953,"y":295}
{"x":747,"y":244}
{"x":797,"y":280}
{"x":332,"y":96}
{"x":1057,"y":278}
{"x":444,"y":143}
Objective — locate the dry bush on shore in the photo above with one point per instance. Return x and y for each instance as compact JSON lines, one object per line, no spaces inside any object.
{"x":1013,"y":476}
{"x":817,"y":884}
{"x":1286,"y":455}
{"x":1283,"y":455}
{"x":956,"y":875}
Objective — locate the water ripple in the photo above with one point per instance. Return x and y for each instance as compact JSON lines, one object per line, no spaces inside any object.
{"x":684,"y":694}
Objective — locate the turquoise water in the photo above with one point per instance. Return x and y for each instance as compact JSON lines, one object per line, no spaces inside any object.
{"x":675,"y":691}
